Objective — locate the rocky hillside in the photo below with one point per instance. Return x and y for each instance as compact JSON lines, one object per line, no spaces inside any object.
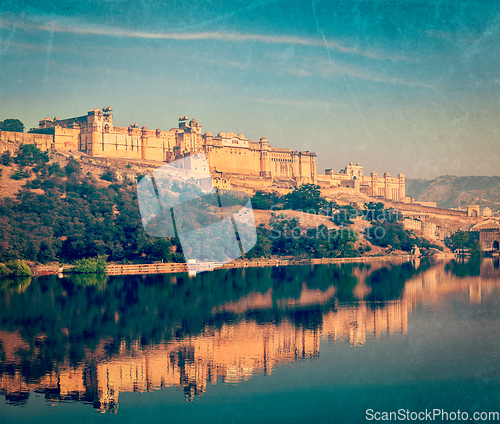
{"x":450,"y":191}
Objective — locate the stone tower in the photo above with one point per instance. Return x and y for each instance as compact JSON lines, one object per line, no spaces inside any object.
{"x":265,"y":157}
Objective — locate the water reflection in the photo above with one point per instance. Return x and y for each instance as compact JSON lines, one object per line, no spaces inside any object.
{"x":88,"y":339}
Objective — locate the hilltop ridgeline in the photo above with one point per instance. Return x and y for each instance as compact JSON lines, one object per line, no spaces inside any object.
{"x":451,"y":192}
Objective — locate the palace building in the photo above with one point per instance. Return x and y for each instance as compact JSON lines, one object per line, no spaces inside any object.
{"x":227,"y":153}
{"x":385,"y":187}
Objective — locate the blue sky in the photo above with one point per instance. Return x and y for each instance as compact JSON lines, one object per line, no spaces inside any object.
{"x":399,"y":86}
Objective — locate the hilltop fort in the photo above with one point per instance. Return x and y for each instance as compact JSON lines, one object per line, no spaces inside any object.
{"x":233,"y":158}
{"x":96,"y":135}
{"x":235,"y":163}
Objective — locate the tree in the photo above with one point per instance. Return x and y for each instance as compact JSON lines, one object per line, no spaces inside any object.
{"x":162,"y":249}
{"x":14,"y":125}
{"x":30,"y":250}
{"x":460,"y":239}
{"x":391,"y":234}
{"x":73,"y":167}
{"x":306,"y":198}
{"x":262,"y":248}
{"x":46,"y":253}
{"x":265,"y":201}
{"x":16,"y":268}
{"x":377,"y":212}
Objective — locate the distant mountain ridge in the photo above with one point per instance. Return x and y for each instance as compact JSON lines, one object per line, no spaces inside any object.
{"x":451,"y":192}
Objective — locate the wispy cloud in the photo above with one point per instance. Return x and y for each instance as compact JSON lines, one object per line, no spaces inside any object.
{"x":299,"y":72}
{"x":345,"y":70}
{"x":291,"y":102}
{"x":310,"y":67}
{"x":320,"y":67}
{"x":56,"y":26}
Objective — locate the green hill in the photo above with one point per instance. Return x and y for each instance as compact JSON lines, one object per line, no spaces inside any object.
{"x":450,"y":191}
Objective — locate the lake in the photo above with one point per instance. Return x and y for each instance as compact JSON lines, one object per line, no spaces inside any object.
{"x":340,"y":343}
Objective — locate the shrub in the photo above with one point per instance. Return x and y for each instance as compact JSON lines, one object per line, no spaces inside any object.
{"x":72,"y":167}
{"x":55,"y":169}
{"x":89,"y":266}
{"x":19,"y":175}
{"x":109,"y":176}
{"x":16,"y":268}
{"x":29,"y":154}
{"x":6,"y":158}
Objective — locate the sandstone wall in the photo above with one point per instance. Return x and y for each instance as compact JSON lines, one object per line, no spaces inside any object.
{"x":12,"y":140}
{"x":429,"y":230}
{"x":238,"y":160}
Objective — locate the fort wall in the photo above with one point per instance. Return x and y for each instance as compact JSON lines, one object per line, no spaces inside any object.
{"x":233,"y":160}
{"x":429,"y":230}
{"x":423,"y":211}
{"x":12,"y":140}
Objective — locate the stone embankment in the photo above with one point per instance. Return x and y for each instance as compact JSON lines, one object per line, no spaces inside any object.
{"x":164,"y":268}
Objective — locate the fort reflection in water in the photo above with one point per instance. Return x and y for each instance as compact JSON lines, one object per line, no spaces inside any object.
{"x":249,"y":331}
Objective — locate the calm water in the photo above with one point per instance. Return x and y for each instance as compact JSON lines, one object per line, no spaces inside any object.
{"x":285,"y":344}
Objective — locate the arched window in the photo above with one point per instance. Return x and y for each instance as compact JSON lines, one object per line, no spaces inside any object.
{"x":495,"y":245}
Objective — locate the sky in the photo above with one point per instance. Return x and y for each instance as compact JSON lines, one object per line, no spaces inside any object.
{"x":399,"y":86}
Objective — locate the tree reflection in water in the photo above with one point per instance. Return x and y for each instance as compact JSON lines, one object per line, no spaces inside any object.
{"x":61,"y":336}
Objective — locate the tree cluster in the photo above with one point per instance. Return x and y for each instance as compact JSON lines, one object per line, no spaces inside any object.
{"x":387,"y":230}
{"x":14,"y":125}
{"x":306,"y":198}
{"x":74,"y":218}
{"x":16,"y":268}
{"x":286,"y":238}
{"x":464,"y":240}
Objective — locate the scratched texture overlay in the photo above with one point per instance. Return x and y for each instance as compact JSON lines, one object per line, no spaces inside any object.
{"x":399,"y":86}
